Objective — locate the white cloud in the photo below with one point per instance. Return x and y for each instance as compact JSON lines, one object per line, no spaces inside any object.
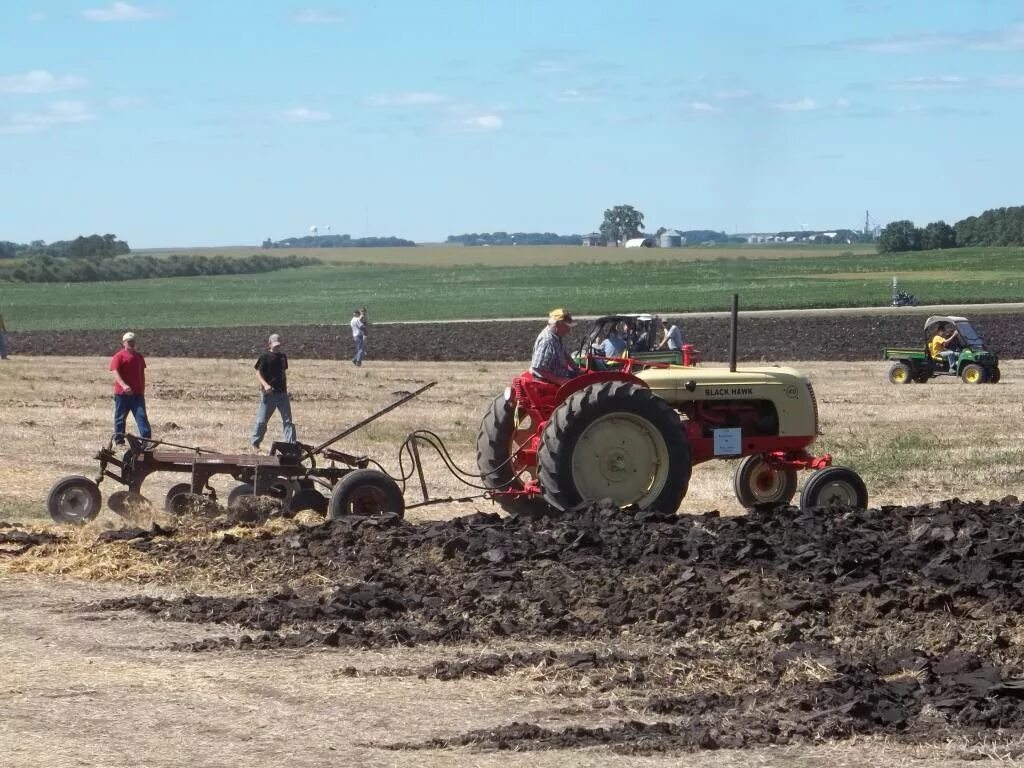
{"x":481,"y":123}
{"x":1009,"y":38}
{"x":37,"y":16}
{"x":40,"y":81}
{"x":122,"y":12}
{"x":931,"y":83}
{"x":703,"y":106}
{"x":576,"y":96}
{"x":57,"y":113}
{"x":805,"y":104}
{"x":305,"y":115}
{"x":409,"y":99}
{"x":733,"y":95}
{"x":318,"y":16}
{"x":1006,"y":81}
{"x":842,"y":103}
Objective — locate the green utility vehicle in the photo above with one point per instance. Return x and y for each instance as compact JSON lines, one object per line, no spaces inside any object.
{"x":970,"y":360}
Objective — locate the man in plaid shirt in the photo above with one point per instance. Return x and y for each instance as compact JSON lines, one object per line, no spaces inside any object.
{"x":550,"y":361}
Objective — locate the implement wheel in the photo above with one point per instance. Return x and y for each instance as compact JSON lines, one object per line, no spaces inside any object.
{"x":497,"y":441}
{"x":973,"y":374}
{"x":366,"y":492}
{"x":615,"y":440}
{"x":236,"y":493}
{"x":834,"y":487}
{"x":899,"y":373}
{"x":74,"y":500}
{"x":756,"y":483}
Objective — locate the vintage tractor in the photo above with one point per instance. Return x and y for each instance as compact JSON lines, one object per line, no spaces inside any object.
{"x":634,"y":436}
{"x":974,"y":364}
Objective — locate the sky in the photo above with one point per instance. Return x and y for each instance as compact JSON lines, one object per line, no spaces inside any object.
{"x":214,"y":122}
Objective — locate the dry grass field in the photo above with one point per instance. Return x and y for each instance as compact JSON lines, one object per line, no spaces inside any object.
{"x":102,"y":689}
{"x":912,"y":444}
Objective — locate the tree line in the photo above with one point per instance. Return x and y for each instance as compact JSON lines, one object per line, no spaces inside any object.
{"x":50,"y":269}
{"x":994,"y":227}
{"x":82,"y":247}
{"x":514,"y":238}
{"x":338,"y":241}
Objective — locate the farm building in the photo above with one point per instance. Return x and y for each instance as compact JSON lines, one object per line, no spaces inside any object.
{"x":594,"y":239}
{"x":640,"y":242}
{"x":671,"y":238}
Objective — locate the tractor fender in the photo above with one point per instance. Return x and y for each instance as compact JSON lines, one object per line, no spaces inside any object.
{"x":596,"y":377}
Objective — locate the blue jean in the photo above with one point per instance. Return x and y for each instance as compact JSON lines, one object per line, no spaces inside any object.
{"x":360,"y":349}
{"x":270,"y":402}
{"x":3,"y":346}
{"x":136,"y":405}
{"x":951,"y":358}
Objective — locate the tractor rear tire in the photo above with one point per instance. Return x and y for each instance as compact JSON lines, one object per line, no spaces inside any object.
{"x":757,"y":483}
{"x":973,"y":373}
{"x":494,"y":449}
{"x":834,"y":487}
{"x":900,"y":373}
{"x":74,"y":500}
{"x":615,"y":440}
{"x":366,"y":492}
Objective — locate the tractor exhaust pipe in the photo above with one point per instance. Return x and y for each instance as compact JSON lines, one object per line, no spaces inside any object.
{"x":734,"y":314}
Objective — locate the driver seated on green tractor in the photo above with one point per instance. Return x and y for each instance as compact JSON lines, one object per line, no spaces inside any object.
{"x":939,"y":347}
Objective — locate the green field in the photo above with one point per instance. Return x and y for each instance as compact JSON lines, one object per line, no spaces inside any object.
{"x":397,"y":292}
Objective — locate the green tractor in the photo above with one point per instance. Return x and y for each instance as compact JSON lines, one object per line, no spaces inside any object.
{"x":965,"y":355}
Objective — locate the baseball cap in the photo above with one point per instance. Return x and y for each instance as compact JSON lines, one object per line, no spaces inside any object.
{"x":561,"y":316}
{"x":274,"y":340}
{"x":128,"y":337}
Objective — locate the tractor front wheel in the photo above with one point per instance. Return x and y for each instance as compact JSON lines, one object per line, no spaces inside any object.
{"x":899,"y":373}
{"x":834,"y":487}
{"x":74,"y":500}
{"x":972,"y":373}
{"x":497,"y":442}
{"x":366,"y":492}
{"x":615,"y":440}
{"x":756,"y":483}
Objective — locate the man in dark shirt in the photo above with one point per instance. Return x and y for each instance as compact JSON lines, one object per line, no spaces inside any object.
{"x":270,"y":370}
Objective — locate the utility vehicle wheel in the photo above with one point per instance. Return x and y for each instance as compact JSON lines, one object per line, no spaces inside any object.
{"x":972,"y":374}
{"x":834,"y":487}
{"x":899,"y":373}
{"x":307,"y":499}
{"x":922,"y":378}
{"x":994,"y":376}
{"x":615,"y":440}
{"x":236,"y":493}
{"x":496,"y":444}
{"x":74,"y":499}
{"x":176,"y":490}
{"x":366,"y":492}
{"x":756,"y":482}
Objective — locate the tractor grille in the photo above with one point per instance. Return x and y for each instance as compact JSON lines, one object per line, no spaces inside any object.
{"x":814,"y":403}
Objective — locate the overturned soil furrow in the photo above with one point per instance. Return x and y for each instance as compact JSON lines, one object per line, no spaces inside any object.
{"x":776,"y":627}
{"x":790,"y":337}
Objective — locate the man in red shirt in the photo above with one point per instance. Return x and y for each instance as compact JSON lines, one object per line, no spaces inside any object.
{"x":129,"y":369}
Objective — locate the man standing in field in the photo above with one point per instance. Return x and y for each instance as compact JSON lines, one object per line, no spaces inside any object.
{"x":550,"y":361}
{"x":359,"y":323}
{"x":270,"y":370}
{"x":129,"y":369}
{"x":3,"y":339}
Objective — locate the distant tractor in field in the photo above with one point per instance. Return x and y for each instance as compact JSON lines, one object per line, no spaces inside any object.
{"x":633,"y":436}
{"x":963,"y":355}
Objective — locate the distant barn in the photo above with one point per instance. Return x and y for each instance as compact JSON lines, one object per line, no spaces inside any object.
{"x":594,"y":239}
